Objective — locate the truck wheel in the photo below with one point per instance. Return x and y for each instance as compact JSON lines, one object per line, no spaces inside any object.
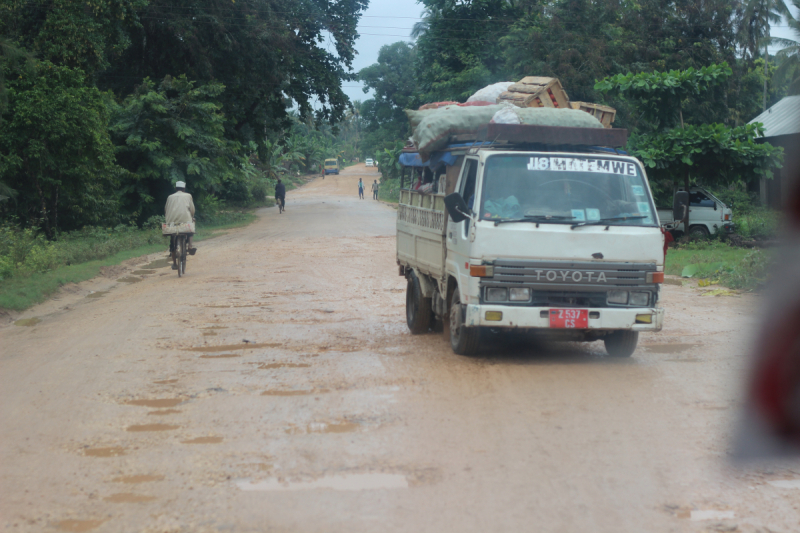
{"x":621,"y":343}
{"x":699,"y":232}
{"x":418,"y":308}
{"x":463,"y":340}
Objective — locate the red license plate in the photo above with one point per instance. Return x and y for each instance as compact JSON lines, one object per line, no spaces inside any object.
{"x":569,"y":318}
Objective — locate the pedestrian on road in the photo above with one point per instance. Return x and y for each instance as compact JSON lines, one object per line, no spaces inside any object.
{"x":375,"y":190}
{"x":360,"y":189}
{"x":280,"y":196}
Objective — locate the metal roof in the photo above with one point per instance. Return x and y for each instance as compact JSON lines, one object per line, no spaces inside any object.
{"x":781,"y":119}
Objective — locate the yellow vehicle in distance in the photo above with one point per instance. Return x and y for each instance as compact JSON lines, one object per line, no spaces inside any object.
{"x":332,"y":166}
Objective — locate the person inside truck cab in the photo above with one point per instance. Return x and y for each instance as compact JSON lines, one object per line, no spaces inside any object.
{"x":698,"y":199}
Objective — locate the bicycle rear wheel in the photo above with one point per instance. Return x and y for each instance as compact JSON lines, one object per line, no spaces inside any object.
{"x":182,"y":256}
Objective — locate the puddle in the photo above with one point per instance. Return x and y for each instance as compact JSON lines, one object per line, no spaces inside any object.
{"x":203,"y":440}
{"x":221,"y":356}
{"x":712,"y":515}
{"x":97,"y":294}
{"x":668,"y":348}
{"x":151,"y":427}
{"x":165,"y":381}
{"x":216,"y":327}
{"x":163,"y":402}
{"x":323,"y":427}
{"x":143,"y":272}
{"x":128,"y":497}
{"x":209,"y":333}
{"x":111,"y":451}
{"x":137,"y":479}
{"x":786,"y":483}
{"x":129,"y":279}
{"x":286,"y":392}
{"x":267,"y":366}
{"x":226,"y":347}
{"x":231,"y":306}
{"x":27,"y":322}
{"x":158,"y":263}
{"x":164,"y":412}
{"x":78,"y":526}
{"x":344,"y":482}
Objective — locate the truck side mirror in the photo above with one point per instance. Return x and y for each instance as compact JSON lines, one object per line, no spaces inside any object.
{"x":679,"y":205}
{"x":456,"y":207}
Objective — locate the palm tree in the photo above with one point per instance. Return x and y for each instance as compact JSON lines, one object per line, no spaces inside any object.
{"x":422,"y":26}
{"x":789,"y":57}
{"x":754,"y":29}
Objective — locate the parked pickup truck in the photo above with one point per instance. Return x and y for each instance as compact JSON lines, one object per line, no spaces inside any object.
{"x":504,"y":236}
{"x":707,"y":215}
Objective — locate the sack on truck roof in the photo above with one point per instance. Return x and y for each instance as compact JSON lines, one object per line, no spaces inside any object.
{"x":490,"y":93}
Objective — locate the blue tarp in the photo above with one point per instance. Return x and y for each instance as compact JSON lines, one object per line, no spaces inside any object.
{"x":437,"y":158}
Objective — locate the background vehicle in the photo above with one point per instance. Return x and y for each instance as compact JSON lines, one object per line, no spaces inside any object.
{"x":370,"y":163}
{"x":332,"y":166}
{"x":505,"y":237}
{"x":707,"y":215}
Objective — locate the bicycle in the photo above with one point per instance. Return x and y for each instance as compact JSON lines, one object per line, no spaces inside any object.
{"x":179,"y":249}
{"x":281,"y":205}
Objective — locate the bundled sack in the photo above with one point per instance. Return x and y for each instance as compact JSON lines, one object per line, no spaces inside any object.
{"x":545,"y":116}
{"x":490,"y":93}
{"x":435,"y":128}
{"x":436,"y":105}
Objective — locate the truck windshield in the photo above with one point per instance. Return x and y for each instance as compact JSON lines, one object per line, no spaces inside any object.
{"x":565,"y":190}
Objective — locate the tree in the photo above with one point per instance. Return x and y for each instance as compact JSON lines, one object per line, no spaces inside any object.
{"x":55,"y":149}
{"x":789,"y":57}
{"x":712,"y":152}
{"x":175,"y":132}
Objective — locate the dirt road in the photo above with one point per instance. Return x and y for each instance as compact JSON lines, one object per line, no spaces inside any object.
{"x":276,"y":388}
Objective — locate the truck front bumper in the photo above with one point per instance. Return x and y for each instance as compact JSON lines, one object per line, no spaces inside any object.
{"x":539,"y":317}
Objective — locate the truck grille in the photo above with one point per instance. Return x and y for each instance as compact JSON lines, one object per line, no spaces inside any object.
{"x":569,"y":275}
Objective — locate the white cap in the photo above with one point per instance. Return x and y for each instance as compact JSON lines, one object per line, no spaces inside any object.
{"x":180,"y":185}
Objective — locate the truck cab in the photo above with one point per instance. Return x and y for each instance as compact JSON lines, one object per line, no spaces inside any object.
{"x":503,"y":237}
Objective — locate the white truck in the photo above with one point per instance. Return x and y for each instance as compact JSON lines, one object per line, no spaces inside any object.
{"x":532,"y":231}
{"x":707,"y":215}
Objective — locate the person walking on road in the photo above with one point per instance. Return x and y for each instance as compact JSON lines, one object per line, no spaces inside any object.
{"x":360,"y":189}
{"x":375,"y":190}
{"x":179,"y":210}
{"x":280,"y":196}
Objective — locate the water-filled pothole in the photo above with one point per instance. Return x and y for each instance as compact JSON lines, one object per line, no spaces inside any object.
{"x":203,"y":440}
{"x":220,"y":356}
{"x":158,"y":263}
{"x":143,"y":272}
{"x":129,"y":279}
{"x":156,"y":403}
{"x":110,"y":451}
{"x":27,"y":322}
{"x":151,"y":427}
{"x":97,"y":294}
{"x":164,"y":412}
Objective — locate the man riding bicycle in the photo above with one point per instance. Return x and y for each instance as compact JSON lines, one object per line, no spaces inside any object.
{"x":280,"y":195}
{"x":179,"y":210}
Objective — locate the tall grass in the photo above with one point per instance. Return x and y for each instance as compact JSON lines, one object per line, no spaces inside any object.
{"x":737,"y":268}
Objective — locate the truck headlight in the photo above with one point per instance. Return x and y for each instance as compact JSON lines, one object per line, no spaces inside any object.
{"x":496,"y":294}
{"x":640,"y":298}
{"x":617,"y":297}
{"x":519,"y":295}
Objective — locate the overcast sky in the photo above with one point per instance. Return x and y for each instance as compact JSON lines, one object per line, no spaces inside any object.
{"x":389,"y":21}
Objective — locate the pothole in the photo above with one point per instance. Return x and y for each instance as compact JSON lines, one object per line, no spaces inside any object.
{"x":156,"y":403}
{"x":111,"y":451}
{"x":151,"y":427}
{"x":351,"y":482}
{"x":27,"y":322}
{"x":203,"y":440}
{"x":129,"y":279}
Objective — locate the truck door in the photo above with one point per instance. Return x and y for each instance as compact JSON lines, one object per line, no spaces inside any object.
{"x":458,"y":245}
{"x":702,"y":210}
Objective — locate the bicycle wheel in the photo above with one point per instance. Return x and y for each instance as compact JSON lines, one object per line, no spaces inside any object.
{"x":182,"y":256}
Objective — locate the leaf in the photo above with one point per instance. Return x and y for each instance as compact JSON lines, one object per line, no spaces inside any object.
{"x":689,"y":271}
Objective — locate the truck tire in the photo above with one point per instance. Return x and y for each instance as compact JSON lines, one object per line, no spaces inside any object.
{"x":699,"y":232}
{"x":621,"y":343}
{"x":418,"y":308}
{"x":463,"y":340}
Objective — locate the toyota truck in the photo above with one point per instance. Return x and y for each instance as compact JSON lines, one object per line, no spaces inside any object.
{"x":540,"y":229}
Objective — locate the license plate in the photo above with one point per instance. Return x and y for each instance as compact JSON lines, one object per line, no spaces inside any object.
{"x":569,"y":318}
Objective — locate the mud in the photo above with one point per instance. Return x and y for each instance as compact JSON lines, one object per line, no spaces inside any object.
{"x":158,"y":263}
{"x":143,"y":272}
{"x":150,"y":427}
{"x":129,"y":279}
{"x":203,"y":440}
{"x":526,"y":435}
{"x":27,"y":322}
{"x":159,"y":403}
{"x":128,"y":497}
{"x":111,"y":451}
{"x":142,"y":478}
{"x":97,"y":294}
{"x":229,"y":347}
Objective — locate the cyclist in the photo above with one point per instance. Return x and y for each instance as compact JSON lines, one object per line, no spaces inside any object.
{"x":179,"y":210}
{"x":280,"y":195}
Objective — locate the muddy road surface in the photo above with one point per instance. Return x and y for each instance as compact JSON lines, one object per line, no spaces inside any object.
{"x":276,"y":388}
